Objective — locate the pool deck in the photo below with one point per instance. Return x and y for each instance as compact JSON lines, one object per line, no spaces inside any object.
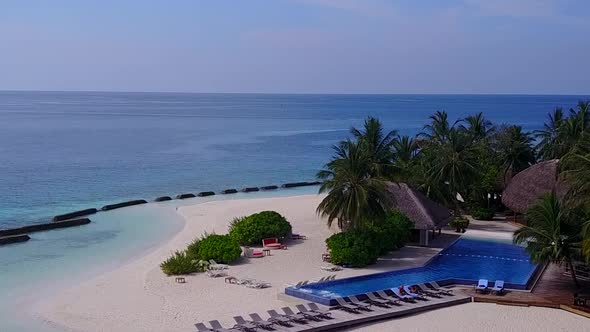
{"x":343,"y":319}
{"x":553,"y":290}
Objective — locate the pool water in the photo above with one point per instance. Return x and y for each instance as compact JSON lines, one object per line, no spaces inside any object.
{"x":464,"y":262}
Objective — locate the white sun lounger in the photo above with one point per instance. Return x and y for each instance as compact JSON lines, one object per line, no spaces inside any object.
{"x":498,"y":287}
{"x":482,"y":285}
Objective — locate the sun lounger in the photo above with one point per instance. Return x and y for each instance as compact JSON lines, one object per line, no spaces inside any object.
{"x":387,"y":301}
{"x":428,"y":292}
{"x":244,"y":281}
{"x":299,"y":315}
{"x":216,"y":273}
{"x":256,"y":319}
{"x":385,"y":296}
{"x":332,"y":277}
{"x":359,"y":305}
{"x":314,"y":307}
{"x":276,"y":318}
{"x":331,"y":268}
{"x":343,"y":305}
{"x":202,"y":328}
{"x":414,"y":295}
{"x":275,"y":315}
{"x":444,"y":290}
{"x":405,"y":298}
{"x":214,"y":266}
{"x":322,"y":279}
{"x":482,"y":286}
{"x":498,"y":287}
{"x":243,"y":324}
{"x":218,"y":328}
{"x":302,"y":309}
{"x":258,"y":285}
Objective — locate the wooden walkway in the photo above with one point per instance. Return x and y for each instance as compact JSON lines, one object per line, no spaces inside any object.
{"x":552,"y":290}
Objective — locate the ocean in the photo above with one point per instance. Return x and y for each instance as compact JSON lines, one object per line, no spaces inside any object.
{"x":64,"y":151}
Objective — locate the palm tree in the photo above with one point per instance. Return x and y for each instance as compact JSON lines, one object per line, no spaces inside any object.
{"x":405,"y":151}
{"x":451,"y":166}
{"x":439,"y":128}
{"x":377,"y":145}
{"x":576,"y":172}
{"x":354,"y":197}
{"x":477,"y":126}
{"x":550,"y":236}
{"x":514,"y":148}
{"x":550,"y":145}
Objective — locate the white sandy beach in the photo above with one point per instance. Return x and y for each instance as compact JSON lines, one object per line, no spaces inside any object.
{"x":139,"y":297}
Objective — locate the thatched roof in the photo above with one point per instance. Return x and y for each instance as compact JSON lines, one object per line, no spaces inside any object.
{"x":425,"y":213}
{"x":526,"y":187}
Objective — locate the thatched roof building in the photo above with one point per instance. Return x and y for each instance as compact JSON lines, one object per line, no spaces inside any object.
{"x":526,"y":187}
{"x":425,"y":213}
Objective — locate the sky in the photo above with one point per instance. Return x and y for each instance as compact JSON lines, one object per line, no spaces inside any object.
{"x":297,"y":46}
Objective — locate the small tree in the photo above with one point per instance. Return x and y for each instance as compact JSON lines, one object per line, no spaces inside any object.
{"x":551,"y":235}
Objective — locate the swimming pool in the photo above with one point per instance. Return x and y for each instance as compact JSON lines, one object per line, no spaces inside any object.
{"x":464,"y":262}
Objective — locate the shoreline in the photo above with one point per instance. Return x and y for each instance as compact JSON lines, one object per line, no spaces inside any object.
{"x":138,"y":297}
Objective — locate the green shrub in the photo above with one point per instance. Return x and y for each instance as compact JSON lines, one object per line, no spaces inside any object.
{"x":460,"y":224}
{"x":193,"y":248}
{"x":355,"y":248}
{"x":179,"y":263}
{"x":252,"y":229}
{"x":483,"y":213}
{"x":221,"y":248}
{"x":361,"y":247}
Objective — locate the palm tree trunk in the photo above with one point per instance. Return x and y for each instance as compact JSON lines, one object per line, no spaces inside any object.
{"x":571,"y":266}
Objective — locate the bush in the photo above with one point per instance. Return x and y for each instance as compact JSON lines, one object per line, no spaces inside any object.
{"x":221,"y":248}
{"x":193,"y":248}
{"x":355,"y":248}
{"x":179,"y":263}
{"x":483,"y":213}
{"x":252,"y":229}
{"x":362,"y":247}
{"x":460,"y":224}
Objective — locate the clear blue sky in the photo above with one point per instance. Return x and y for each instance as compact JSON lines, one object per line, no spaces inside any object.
{"x":299,"y":46}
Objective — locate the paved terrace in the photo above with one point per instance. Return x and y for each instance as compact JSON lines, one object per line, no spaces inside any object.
{"x":341,"y":319}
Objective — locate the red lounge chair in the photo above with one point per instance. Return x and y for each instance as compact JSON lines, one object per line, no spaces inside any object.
{"x":253,"y":253}
{"x":272,"y":243}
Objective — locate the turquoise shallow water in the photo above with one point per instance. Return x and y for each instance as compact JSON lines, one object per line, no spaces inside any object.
{"x":53,"y":260}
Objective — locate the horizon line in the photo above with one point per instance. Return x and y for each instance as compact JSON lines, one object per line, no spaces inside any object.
{"x":301,"y":93}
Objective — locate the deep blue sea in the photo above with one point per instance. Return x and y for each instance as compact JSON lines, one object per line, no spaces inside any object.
{"x":62,"y":151}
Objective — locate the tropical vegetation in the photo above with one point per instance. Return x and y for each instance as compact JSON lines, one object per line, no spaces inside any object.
{"x":252,"y":229}
{"x":463,"y":164}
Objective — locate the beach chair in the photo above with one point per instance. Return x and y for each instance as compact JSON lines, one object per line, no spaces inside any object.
{"x":256,"y":319}
{"x":323,"y":314}
{"x":330,"y":278}
{"x":314,"y":307}
{"x":359,"y":305}
{"x":202,"y":328}
{"x":414,"y":295}
{"x":298,"y":315}
{"x":334,"y":268}
{"x":276,"y":318}
{"x":498,"y":287}
{"x":216,"y":273}
{"x":405,"y":298}
{"x":214,"y":266}
{"x":218,"y":328}
{"x":482,"y":286}
{"x":258,"y":285}
{"x":345,"y":306}
{"x":437,"y":287}
{"x":322,"y":279}
{"x":386,"y":301}
{"x":245,"y":325}
{"x":244,"y":281}
{"x":385,"y":296}
{"x":429,"y":292}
